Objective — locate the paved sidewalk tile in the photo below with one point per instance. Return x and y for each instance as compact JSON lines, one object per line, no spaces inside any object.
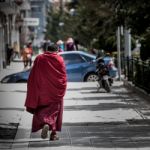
{"x":92,"y":121}
{"x":104,"y":148}
{"x":52,"y":148}
{"x":81,"y":148}
{"x":14,"y":67}
{"x":23,"y":134}
{"x":126,"y":149}
{"x":6,"y":145}
{"x":144,"y":148}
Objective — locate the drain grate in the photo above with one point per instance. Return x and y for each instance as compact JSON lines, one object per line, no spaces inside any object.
{"x":8,"y":131}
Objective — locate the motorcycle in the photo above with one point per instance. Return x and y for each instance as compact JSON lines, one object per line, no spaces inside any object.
{"x":104,"y":81}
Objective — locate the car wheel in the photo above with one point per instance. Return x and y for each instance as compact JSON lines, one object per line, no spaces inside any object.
{"x":91,"y":77}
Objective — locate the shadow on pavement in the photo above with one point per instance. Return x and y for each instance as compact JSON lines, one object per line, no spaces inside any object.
{"x":8,"y":131}
{"x":102,"y":135}
{"x":100,"y":106}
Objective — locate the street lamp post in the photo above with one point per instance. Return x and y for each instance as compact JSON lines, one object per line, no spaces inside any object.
{"x":119,"y":55}
{"x":127,"y":43}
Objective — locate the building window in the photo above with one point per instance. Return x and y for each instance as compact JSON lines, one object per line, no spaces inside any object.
{"x":36,"y":9}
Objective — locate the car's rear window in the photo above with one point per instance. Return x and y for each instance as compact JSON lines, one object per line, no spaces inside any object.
{"x":88,"y":59}
{"x":72,"y":58}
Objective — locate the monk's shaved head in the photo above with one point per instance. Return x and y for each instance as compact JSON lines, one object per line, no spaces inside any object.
{"x":52,"y":48}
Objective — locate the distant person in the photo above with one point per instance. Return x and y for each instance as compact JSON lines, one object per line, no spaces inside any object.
{"x":27,"y":55}
{"x":76,"y":42}
{"x":108,"y":58}
{"x":70,"y":45}
{"x":45,"y":91}
{"x":16,"y":50}
{"x":9,"y":51}
{"x":30,"y":53}
{"x":109,"y":61}
{"x":60,"y":45}
{"x":24,"y":56}
{"x":93,"y":51}
{"x":100,"y":53}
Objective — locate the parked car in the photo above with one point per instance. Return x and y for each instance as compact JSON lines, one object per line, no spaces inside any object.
{"x":80,"y":67}
{"x":19,"y":77}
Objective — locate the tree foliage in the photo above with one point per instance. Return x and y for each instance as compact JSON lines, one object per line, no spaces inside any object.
{"x":94,"y":22}
{"x":52,"y":26}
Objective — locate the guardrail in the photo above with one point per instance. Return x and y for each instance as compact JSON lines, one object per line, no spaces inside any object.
{"x":138,"y":72}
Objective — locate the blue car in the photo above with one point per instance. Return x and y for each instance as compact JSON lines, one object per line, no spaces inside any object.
{"x":80,"y":67}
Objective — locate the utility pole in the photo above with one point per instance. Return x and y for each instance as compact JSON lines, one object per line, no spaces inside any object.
{"x":119,"y":55}
{"x":127,"y":43}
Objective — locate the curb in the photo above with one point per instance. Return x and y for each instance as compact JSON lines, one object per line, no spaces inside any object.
{"x":17,"y":61}
{"x":136,"y":89}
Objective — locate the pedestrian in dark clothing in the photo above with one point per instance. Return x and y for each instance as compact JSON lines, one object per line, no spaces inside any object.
{"x":70,"y":45}
{"x":9,"y":51}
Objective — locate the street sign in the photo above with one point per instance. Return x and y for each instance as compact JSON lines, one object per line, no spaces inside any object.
{"x":31,"y":21}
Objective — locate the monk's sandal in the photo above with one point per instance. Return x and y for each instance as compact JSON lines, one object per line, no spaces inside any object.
{"x":44,"y":132}
{"x":54,"y":137}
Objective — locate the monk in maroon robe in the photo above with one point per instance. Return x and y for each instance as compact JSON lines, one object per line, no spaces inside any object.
{"x":45,"y":91}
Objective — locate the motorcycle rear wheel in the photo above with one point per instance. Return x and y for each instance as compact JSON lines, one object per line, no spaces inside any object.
{"x":107,"y":86}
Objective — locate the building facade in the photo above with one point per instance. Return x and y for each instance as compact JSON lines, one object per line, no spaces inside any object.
{"x":21,"y":22}
{"x":39,"y":9}
{"x":11,"y":26}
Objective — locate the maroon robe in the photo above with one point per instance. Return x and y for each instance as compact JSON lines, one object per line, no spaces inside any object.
{"x":45,"y":91}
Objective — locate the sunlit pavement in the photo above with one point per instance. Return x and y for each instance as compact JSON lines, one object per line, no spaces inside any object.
{"x":92,"y":120}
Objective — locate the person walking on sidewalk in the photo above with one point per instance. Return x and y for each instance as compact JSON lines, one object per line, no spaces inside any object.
{"x":27,"y":55}
{"x":16,"y":50}
{"x":9,"y":51}
{"x":46,"y":88}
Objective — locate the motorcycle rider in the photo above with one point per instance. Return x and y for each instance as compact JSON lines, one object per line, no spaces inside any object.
{"x":102,"y":69}
{"x":100,"y":62}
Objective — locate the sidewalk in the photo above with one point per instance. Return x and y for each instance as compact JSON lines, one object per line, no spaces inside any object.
{"x":14,"y":67}
{"x":92,"y":120}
